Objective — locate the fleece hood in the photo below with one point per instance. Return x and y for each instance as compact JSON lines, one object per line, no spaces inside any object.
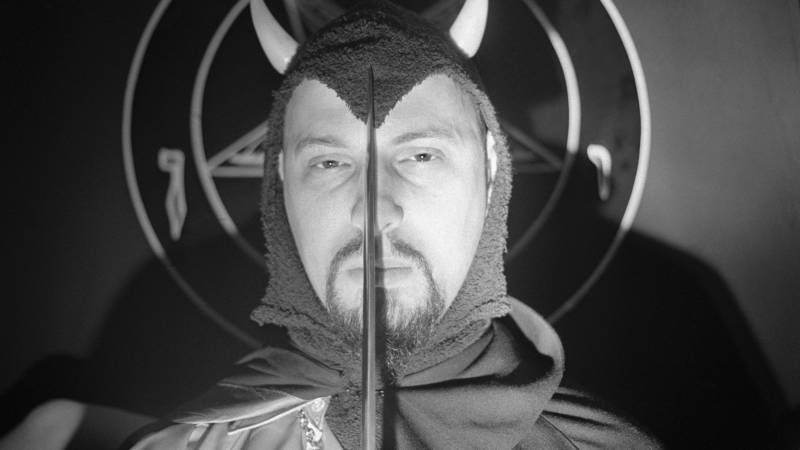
{"x":403,"y":51}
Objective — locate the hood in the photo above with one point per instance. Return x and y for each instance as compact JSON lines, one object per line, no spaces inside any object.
{"x":403,"y":50}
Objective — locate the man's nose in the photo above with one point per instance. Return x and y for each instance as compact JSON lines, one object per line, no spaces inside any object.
{"x":388,"y":214}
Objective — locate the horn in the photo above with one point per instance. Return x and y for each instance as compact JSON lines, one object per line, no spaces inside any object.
{"x":467,"y":30}
{"x":279,"y":45}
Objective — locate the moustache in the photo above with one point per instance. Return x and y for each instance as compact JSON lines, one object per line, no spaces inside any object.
{"x":397,"y":248}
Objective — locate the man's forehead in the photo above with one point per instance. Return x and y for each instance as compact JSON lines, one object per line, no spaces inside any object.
{"x":437,"y":105}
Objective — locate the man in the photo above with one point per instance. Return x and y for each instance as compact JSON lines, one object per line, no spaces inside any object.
{"x":462,"y":364}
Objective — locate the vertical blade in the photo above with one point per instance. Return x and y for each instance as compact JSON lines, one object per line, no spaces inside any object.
{"x":368,"y":374}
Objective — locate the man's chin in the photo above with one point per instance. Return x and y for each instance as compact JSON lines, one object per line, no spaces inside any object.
{"x":398,"y":307}
{"x":402,"y":329}
{"x":407,"y":311}
{"x":394,"y":317}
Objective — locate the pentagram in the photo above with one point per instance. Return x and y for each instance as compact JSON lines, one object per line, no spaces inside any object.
{"x":239,"y":159}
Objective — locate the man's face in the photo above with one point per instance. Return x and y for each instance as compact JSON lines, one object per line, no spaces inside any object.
{"x":431,"y":197}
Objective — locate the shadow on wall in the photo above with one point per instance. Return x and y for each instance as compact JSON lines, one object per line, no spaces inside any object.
{"x":660,"y":338}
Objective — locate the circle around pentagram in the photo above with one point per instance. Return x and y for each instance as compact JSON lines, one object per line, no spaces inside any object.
{"x":229,"y":226}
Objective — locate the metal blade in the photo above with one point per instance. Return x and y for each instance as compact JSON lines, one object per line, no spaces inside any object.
{"x":368,"y":374}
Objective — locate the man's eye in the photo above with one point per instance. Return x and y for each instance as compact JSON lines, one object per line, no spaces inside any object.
{"x":423,"y":157}
{"x":328,"y":164}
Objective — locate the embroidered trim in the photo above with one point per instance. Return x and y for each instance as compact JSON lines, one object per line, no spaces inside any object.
{"x":310,"y":429}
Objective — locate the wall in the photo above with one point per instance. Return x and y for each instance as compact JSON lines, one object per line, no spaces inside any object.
{"x":723,"y":183}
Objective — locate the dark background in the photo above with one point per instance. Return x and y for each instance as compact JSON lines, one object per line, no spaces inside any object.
{"x":691,"y":330}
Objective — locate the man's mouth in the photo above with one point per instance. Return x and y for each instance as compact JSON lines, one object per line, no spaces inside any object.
{"x":388,"y":277}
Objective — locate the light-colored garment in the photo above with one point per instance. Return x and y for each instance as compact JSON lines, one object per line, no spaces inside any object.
{"x":274,"y":426}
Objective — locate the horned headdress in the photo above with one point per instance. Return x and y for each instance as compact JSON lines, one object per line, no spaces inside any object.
{"x":403,"y":50}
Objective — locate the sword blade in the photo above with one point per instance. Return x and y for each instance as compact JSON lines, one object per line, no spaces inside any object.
{"x":368,"y":374}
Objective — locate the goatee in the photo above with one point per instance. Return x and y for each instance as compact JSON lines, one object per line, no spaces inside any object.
{"x":400,"y":333}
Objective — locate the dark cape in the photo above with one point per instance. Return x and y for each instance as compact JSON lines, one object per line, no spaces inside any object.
{"x":500,"y":393}
{"x":487,"y":396}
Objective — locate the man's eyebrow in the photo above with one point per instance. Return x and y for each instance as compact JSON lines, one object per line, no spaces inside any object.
{"x":433,"y":131}
{"x":323,"y":141}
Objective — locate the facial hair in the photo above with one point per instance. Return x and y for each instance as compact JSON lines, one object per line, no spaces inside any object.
{"x":403,"y":332}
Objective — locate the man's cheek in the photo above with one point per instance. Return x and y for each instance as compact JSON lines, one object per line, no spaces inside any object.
{"x":454,"y":236}
{"x":327,"y":224}
{"x":305,"y":228}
